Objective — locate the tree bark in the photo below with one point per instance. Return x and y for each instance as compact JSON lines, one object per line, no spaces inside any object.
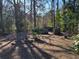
{"x":53,"y":14}
{"x":1,"y":17}
{"x":34,"y":6}
{"x":20,"y":33}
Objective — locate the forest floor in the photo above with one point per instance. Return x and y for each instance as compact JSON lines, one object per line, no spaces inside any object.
{"x":46,"y":47}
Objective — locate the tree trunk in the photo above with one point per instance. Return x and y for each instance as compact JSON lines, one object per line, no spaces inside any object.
{"x":34,"y":6}
{"x":53,"y":14}
{"x":57,"y":4}
{"x":31,"y":5}
{"x":1,"y":17}
{"x":20,"y":32}
{"x":65,"y":25}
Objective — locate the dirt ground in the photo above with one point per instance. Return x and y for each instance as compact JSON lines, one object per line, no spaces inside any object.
{"x":46,"y":47}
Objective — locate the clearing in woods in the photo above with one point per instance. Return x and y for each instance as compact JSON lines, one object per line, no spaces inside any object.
{"x":46,"y":47}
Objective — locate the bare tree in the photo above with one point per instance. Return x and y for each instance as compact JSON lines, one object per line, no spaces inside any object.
{"x":34,"y":10}
{"x":17,"y":22}
{"x":1,"y":17}
{"x":31,"y":13}
{"x":53,"y":14}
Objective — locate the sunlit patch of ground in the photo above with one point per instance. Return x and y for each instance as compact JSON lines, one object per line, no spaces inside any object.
{"x":47,"y":47}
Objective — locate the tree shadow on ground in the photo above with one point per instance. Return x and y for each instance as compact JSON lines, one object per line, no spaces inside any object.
{"x":6,"y":44}
{"x":6,"y":38}
{"x":68,"y":50}
{"x":32,"y":51}
{"x":41,"y":54}
{"x":45,"y":54}
{"x":24,"y":53}
{"x":60,"y":51}
{"x":6,"y":53}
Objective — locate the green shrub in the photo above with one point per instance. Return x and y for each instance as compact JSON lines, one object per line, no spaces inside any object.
{"x":36,"y":31}
{"x":76,"y":43}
